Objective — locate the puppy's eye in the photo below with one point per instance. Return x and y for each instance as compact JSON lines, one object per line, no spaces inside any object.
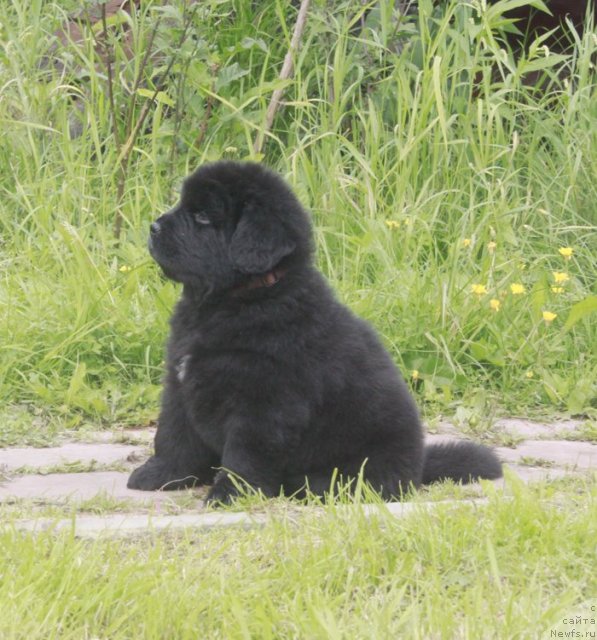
{"x":201,"y":218}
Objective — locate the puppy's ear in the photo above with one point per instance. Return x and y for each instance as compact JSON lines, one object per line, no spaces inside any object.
{"x":259,"y":241}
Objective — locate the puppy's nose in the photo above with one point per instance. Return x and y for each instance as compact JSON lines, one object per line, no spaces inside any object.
{"x":154,"y":228}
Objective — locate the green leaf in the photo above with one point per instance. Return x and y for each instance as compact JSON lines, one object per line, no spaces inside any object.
{"x":160,"y":96}
{"x":115,"y":20}
{"x":484,"y":352}
{"x":539,"y":297}
{"x":509,"y":5}
{"x":539,"y":64}
{"x":555,"y":386}
{"x":580,"y":396}
{"x":230,"y":74}
{"x":77,"y":381}
{"x":581,"y":310}
{"x":249,"y":43}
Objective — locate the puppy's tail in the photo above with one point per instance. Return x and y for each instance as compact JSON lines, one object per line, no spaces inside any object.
{"x":460,"y":461}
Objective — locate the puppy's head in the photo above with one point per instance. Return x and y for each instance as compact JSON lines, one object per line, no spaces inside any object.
{"x":234,"y":221}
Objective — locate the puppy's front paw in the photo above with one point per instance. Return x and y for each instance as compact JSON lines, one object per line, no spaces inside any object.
{"x":224,"y":489}
{"x":222,"y":493}
{"x":158,"y":474}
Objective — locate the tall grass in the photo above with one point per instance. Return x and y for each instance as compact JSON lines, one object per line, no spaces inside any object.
{"x":430,"y":166}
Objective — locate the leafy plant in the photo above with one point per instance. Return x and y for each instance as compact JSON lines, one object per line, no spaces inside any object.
{"x":443,"y":187}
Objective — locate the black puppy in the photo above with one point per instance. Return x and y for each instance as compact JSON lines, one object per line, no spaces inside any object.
{"x":268,"y":375}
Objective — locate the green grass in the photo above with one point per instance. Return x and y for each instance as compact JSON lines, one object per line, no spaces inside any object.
{"x":386,"y":126}
{"x":514,"y":568}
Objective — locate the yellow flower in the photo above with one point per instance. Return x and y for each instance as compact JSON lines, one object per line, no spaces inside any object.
{"x":124,"y":268}
{"x":495,"y":304}
{"x":517,"y":289}
{"x":407,"y":221}
{"x":392,"y":224}
{"x":415,"y":374}
{"x":529,"y":374}
{"x":466,"y":242}
{"x":479,"y":289}
{"x":549,"y":316}
{"x":566,"y":252}
{"x":560,"y":276}
{"x":557,"y":289}
{"x":491,"y":246}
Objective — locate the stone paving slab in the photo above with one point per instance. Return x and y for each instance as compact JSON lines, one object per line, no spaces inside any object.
{"x":439,"y":438}
{"x":62,"y":487}
{"x":530,"y":429}
{"x":69,"y":453}
{"x":537,"y":474}
{"x":573,"y":454}
{"x":518,"y":427}
{"x":127,"y":524}
{"x":144,"y":435}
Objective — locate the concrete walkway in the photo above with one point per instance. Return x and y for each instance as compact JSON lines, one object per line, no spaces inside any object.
{"x":93,"y":475}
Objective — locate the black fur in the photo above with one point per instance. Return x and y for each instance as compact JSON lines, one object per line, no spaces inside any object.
{"x":268,"y":375}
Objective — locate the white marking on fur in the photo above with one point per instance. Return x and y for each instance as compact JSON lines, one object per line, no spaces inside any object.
{"x":181,"y":368}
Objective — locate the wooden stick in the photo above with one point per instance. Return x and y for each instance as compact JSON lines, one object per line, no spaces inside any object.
{"x":286,"y":72}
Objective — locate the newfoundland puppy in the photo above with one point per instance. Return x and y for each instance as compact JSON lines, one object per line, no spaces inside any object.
{"x":270,"y":379}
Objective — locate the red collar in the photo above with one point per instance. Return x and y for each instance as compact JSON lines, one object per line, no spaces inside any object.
{"x":268,"y":279}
